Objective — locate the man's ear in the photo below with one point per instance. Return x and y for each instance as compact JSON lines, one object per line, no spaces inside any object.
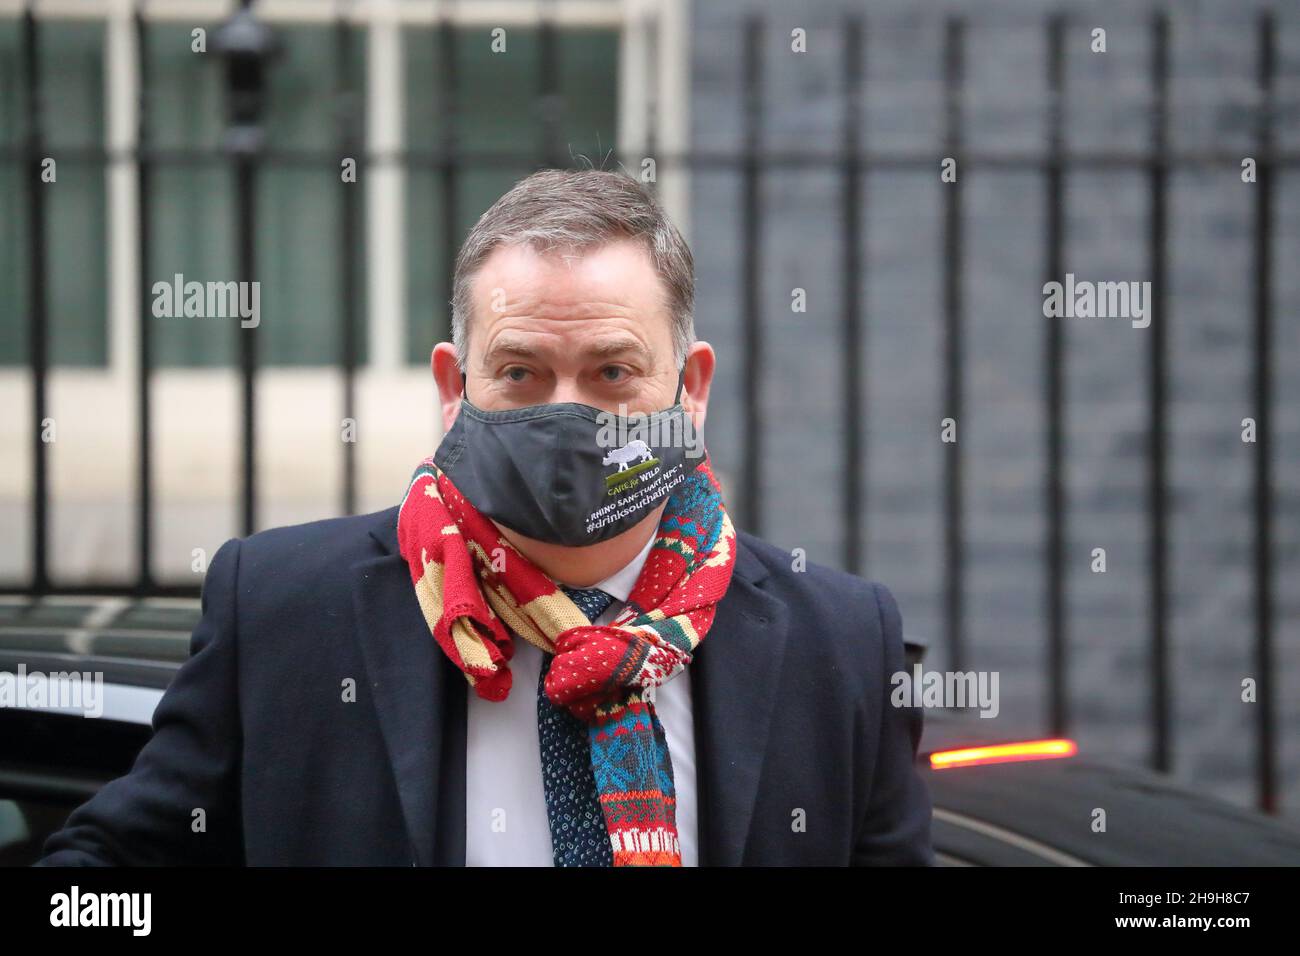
{"x":446,"y":373}
{"x":700,"y":363}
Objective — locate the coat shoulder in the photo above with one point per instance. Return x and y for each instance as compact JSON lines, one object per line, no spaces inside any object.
{"x":345,"y":531}
{"x":812,"y":582}
{"x":846,"y":612}
{"x":309,"y":557}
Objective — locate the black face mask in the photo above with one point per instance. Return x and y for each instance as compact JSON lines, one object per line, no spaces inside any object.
{"x":568,"y":473}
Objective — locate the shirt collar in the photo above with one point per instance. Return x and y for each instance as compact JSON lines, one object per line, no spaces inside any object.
{"x":620,"y":584}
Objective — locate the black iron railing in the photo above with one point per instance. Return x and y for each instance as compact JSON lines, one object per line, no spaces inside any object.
{"x":853,"y":161}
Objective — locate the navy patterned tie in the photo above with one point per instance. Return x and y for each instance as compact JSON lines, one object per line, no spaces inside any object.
{"x":578,"y":833}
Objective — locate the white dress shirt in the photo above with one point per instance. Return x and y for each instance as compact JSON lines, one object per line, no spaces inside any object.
{"x":505,"y":807}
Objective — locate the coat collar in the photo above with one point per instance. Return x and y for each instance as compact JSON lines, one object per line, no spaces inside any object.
{"x":420,"y":697}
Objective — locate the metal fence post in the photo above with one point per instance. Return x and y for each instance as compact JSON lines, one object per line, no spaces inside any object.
{"x":953,"y":259}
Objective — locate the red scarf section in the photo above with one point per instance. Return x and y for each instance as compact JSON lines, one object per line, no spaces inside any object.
{"x":476,"y":591}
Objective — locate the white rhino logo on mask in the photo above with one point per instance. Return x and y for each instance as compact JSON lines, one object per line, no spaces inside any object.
{"x":629,"y":453}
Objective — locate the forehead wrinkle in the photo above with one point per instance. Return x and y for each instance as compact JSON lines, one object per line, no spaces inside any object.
{"x":606,"y":348}
{"x":544,"y":314}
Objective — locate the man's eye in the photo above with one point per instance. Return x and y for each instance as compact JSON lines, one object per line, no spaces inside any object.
{"x":613,"y":373}
{"x":516,"y":373}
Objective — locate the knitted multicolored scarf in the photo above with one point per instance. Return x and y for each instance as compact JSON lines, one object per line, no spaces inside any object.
{"x":475,"y":589}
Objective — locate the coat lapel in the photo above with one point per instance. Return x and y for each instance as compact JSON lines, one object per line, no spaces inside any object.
{"x":734,"y":681}
{"x":420,"y":698}
{"x":416,"y":691}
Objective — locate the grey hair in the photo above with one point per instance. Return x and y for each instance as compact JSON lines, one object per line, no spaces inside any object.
{"x":571,"y":209}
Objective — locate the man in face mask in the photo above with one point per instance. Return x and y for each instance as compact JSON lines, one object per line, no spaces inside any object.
{"x":572,"y":396}
{"x":575,"y":361}
{"x":568,"y":654}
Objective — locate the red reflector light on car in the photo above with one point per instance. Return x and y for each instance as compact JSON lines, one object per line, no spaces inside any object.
{"x":1003,"y":753}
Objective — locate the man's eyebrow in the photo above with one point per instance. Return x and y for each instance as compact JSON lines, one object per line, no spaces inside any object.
{"x":513,"y":347}
{"x":620,"y":346}
{"x":601,"y":348}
